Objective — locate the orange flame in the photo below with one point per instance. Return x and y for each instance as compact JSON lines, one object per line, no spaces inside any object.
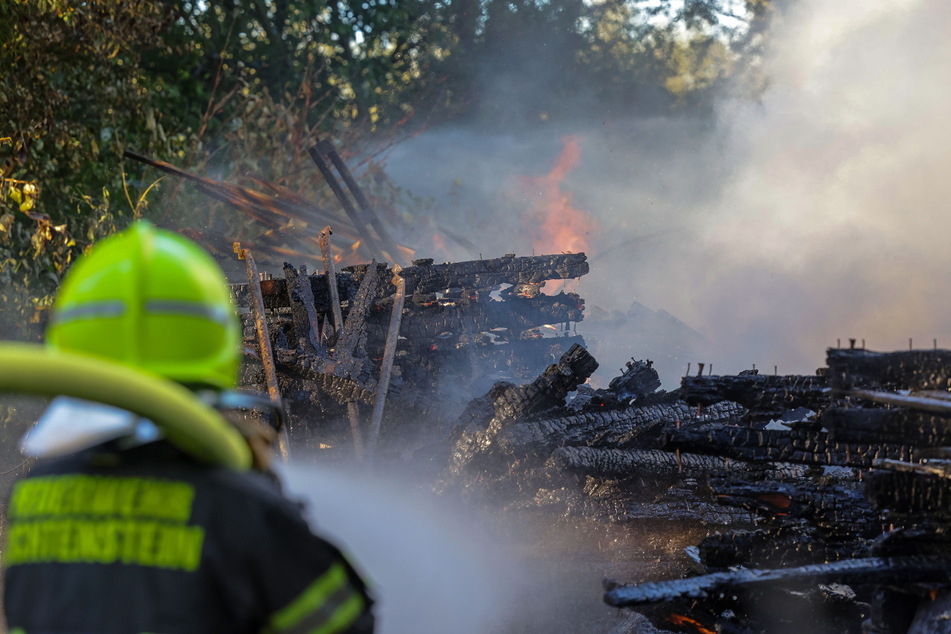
{"x":553,"y":222}
{"x":686,"y":621}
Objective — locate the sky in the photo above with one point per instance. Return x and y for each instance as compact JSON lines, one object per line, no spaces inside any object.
{"x":774,"y":228}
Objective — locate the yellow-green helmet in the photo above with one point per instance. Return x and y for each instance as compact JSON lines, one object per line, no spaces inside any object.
{"x":153,"y":300}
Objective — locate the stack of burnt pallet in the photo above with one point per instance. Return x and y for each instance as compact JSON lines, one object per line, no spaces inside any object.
{"x":861,"y":542}
{"x":463,"y":326}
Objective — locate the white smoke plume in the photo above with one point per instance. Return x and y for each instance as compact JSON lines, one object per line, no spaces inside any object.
{"x":774,"y":228}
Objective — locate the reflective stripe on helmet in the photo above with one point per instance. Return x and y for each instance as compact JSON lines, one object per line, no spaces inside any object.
{"x":89,"y":310}
{"x":117,"y":308}
{"x":217,"y":314}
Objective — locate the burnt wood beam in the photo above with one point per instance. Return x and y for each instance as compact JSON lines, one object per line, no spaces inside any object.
{"x":795,"y":445}
{"x":480,"y":274}
{"x":758,"y":392}
{"x":916,"y":495}
{"x":869,"y":570}
{"x":620,"y":463}
{"x":777,"y":547}
{"x":894,"y":425}
{"x":840,"y":510}
{"x":912,"y":369}
{"x":619,"y":429}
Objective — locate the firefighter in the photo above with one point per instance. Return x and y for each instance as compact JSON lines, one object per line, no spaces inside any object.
{"x":129,"y":532}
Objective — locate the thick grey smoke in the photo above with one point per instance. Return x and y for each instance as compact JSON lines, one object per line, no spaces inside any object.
{"x":834,"y":222}
{"x":773,"y":228}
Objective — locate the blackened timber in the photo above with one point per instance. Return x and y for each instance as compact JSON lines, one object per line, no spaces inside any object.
{"x":639,"y":378}
{"x":422,"y":324}
{"x":869,"y":570}
{"x":842,"y":510}
{"x":620,"y":463}
{"x":758,"y":392}
{"x":549,"y":389}
{"x":275,"y":291}
{"x":349,"y":355}
{"x":894,"y":425}
{"x":776,"y":547}
{"x":478,"y":274}
{"x":357,"y":216}
{"x":302,"y":309}
{"x":477,"y":429}
{"x":427,"y":321}
{"x":620,"y":429}
{"x":913,"y":369}
{"x":911,"y":494}
{"x":795,"y":445}
{"x":673,"y":511}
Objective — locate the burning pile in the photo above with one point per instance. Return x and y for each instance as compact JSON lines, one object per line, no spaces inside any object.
{"x":461,"y":327}
{"x":834,"y":506}
{"x":832,"y":487}
{"x":813,"y":496}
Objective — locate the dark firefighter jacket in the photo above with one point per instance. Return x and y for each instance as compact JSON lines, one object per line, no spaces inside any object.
{"x":148,"y":541}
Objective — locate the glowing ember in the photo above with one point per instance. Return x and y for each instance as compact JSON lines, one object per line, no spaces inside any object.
{"x":555,"y":225}
{"x":686,"y":621}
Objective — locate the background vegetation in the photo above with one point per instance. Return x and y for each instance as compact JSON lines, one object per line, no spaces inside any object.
{"x":243,"y":87}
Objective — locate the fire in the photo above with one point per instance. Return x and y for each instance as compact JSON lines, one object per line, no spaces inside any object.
{"x":556,"y":226}
{"x":686,"y":621}
{"x":439,"y":243}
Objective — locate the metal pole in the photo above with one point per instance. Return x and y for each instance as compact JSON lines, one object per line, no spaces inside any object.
{"x":389,"y":354}
{"x":264,"y":339}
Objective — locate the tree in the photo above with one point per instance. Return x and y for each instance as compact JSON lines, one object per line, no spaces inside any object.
{"x":72,"y":99}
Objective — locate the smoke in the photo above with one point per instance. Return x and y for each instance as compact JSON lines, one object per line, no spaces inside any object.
{"x":438,"y":566}
{"x":431,"y":572}
{"x":775,"y":228}
{"x":830,"y":224}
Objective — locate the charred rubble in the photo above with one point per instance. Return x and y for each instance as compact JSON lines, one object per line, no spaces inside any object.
{"x":820,"y":497}
{"x":824,"y":498}
{"x":858,"y":544}
{"x":463,"y":326}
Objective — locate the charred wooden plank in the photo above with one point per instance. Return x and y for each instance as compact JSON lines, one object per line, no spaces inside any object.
{"x":869,"y":570}
{"x":677,"y":511}
{"x":302,"y":310}
{"x":894,"y":425}
{"x":639,"y":378}
{"x":423,"y":324}
{"x":795,"y":445}
{"x":479,"y":426}
{"x":621,"y":429}
{"x":274,"y":291}
{"x":840,"y":510}
{"x":620,"y":463}
{"x":910,"y":494}
{"x":349,"y":357}
{"x":777,"y":547}
{"x":914,"y":369}
{"x":549,"y":389}
{"x":319,"y":371}
{"x":757,"y":392}
{"x":482,"y":274}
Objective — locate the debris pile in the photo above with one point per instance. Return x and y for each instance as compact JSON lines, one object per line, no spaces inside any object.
{"x":824,"y":495}
{"x":860,"y":541}
{"x":460,"y":327}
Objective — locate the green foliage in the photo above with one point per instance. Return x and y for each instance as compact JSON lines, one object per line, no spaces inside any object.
{"x":73,"y":100}
{"x":243,"y":87}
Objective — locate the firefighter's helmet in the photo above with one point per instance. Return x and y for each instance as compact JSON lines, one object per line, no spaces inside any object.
{"x":155,"y":301}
